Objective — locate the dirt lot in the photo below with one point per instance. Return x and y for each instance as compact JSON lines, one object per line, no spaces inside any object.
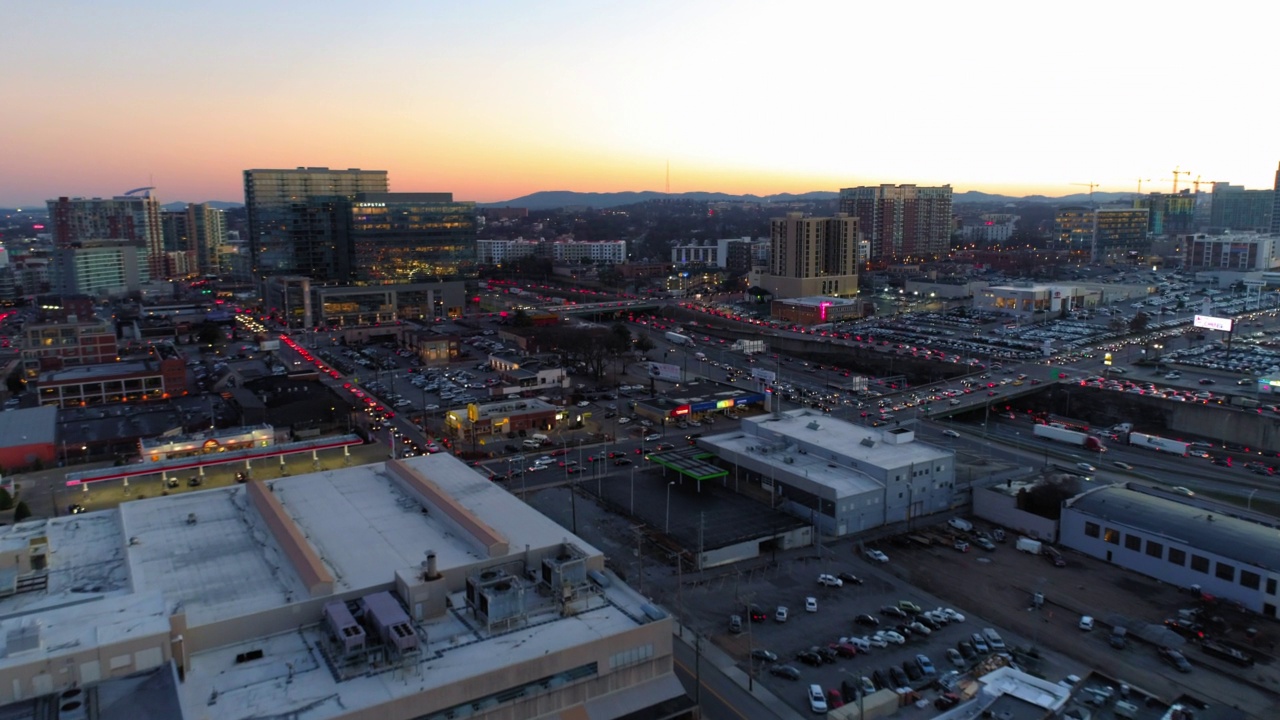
{"x":999,"y":586}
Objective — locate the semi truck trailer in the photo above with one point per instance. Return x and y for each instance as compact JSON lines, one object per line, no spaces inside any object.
{"x":1071,"y":437}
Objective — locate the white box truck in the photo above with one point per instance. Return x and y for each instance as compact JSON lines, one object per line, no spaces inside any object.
{"x":1027,"y":545}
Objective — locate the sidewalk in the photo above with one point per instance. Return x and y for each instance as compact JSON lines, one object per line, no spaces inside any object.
{"x":726,"y":665}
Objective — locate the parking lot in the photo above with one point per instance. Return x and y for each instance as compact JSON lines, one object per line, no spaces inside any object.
{"x":1000,"y":585}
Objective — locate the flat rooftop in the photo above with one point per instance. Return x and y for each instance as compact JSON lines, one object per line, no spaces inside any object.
{"x":818,"y":301}
{"x":362,"y":524}
{"x":88,"y":372}
{"x":212,"y":555}
{"x":843,"y":479}
{"x":843,"y":439}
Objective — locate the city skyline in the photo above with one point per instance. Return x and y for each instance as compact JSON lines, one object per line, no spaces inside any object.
{"x":497,"y":100}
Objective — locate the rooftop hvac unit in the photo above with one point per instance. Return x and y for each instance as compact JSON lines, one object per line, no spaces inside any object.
{"x":501,"y":601}
{"x":343,"y":626}
{"x":868,"y":442}
{"x":390,"y":620}
{"x":569,"y":566}
{"x":788,"y":460}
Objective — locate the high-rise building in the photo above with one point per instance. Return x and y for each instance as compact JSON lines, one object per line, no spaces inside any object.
{"x":208,"y":228}
{"x":813,"y":256}
{"x":287,"y":234}
{"x":193,"y":234}
{"x":99,"y":268}
{"x":1235,"y":208}
{"x":1120,"y":234}
{"x":1275,"y":205}
{"x":1170,"y":214}
{"x":403,"y":237}
{"x":901,"y":222}
{"x":132,"y":219}
{"x":1073,"y":230}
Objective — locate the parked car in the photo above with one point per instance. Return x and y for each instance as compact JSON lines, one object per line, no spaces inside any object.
{"x":900,"y":678}
{"x":980,"y":643}
{"x":845,"y":650}
{"x":849,"y":577}
{"x":926,"y":665}
{"x":912,"y":670}
{"x":781,"y":614}
{"x":920,"y":628}
{"x":817,"y":699}
{"x":966,"y":649}
{"x":830,"y":580}
{"x":809,"y":658}
{"x":786,"y":672}
{"x":867,"y":620}
{"x":955,"y":658}
{"x":893,"y":637}
{"x":764,"y":655}
{"x":892,"y":611}
{"x":909,"y":607}
{"x":877,"y":556}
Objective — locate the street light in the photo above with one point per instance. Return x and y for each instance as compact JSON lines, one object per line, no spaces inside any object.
{"x":668,"y":529}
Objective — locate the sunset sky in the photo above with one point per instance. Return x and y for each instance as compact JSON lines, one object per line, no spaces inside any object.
{"x":492,"y":100}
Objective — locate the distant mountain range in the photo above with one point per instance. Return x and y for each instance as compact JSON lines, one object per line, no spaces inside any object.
{"x":551,"y":199}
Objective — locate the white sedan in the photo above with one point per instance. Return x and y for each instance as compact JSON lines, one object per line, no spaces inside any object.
{"x":877,"y":556}
{"x":893,"y":637}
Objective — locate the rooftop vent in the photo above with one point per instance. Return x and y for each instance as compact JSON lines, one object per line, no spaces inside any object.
{"x":813,"y":425}
{"x":868,"y":442}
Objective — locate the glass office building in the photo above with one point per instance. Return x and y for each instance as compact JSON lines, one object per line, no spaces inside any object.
{"x":409,"y":237}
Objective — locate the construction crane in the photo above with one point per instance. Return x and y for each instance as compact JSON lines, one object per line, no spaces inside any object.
{"x":1140,"y":181}
{"x":1091,"y":186}
{"x":1197,"y":182}
{"x":1176,"y":173}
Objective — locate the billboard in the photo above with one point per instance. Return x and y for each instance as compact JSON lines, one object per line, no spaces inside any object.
{"x":765,"y":375}
{"x":664,"y":371}
{"x":1209,"y":322}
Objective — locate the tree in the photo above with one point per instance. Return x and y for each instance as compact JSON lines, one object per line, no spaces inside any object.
{"x":1139,"y":322}
{"x":209,"y":334}
{"x":609,"y":276}
{"x":521,"y":319}
{"x":643,"y":343}
{"x":21,"y":512}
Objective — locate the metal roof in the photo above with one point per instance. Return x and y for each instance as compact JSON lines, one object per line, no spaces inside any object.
{"x":690,"y":462}
{"x":1247,"y":543}
{"x":29,"y":427}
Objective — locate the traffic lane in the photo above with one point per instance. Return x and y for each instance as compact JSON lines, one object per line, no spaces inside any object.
{"x":719,"y":697}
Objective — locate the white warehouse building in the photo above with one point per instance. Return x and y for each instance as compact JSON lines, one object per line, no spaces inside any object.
{"x":842,"y":477}
{"x":1180,"y":543}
